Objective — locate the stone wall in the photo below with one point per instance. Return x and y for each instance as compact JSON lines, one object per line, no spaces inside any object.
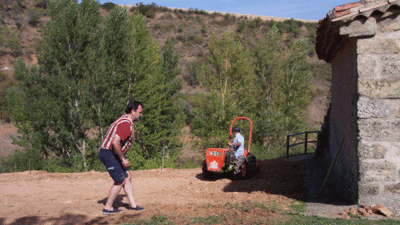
{"x":379,"y":109}
{"x":343,"y":182}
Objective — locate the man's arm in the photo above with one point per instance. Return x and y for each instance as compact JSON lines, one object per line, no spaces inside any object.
{"x":116,"y":143}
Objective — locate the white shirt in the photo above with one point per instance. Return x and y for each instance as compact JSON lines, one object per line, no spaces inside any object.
{"x":239,"y":150}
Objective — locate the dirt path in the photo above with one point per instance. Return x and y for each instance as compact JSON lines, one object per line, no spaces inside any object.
{"x":39,"y":197}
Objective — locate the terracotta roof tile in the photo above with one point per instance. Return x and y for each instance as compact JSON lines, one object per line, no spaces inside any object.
{"x":329,"y":41}
{"x":347,"y":6}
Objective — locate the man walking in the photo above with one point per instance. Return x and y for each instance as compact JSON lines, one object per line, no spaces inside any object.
{"x":116,"y":143}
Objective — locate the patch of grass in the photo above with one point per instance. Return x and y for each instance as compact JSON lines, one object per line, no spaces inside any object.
{"x":315,"y":220}
{"x":210,"y":219}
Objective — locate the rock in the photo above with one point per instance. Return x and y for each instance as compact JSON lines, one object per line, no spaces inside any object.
{"x":375,"y":208}
{"x":345,"y":217}
{"x":353,"y":211}
{"x":363,"y":212}
{"x":378,"y":208}
{"x":364,"y":206}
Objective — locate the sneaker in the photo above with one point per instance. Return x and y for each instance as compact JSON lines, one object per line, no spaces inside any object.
{"x":112,"y":211}
{"x":138,"y":208}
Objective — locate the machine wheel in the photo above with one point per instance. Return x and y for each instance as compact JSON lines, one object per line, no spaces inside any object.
{"x":251,"y":165}
{"x":243,"y":172}
{"x":206,"y":173}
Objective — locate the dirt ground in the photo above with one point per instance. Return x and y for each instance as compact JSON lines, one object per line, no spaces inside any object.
{"x":39,"y":197}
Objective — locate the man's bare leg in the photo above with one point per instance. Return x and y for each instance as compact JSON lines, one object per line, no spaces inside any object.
{"x":128,"y":188}
{"x":114,"y":191}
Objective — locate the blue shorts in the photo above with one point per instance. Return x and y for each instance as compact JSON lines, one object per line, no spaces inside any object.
{"x":114,"y":166}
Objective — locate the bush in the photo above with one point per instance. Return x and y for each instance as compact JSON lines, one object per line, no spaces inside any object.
{"x":13,"y":43}
{"x":242,"y":26}
{"x":108,"y":6}
{"x":203,"y":28}
{"x":157,"y":26}
{"x":147,"y":10}
{"x":34,"y":15}
{"x":180,"y":27}
{"x":42,"y":3}
{"x":5,"y":83}
{"x":197,"y":39}
{"x":193,"y":70}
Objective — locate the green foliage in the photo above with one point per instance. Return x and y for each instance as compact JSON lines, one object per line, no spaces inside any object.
{"x":5,"y":83}
{"x":34,"y":14}
{"x":242,"y":26}
{"x":197,"y":39}
{"x":147,"y":10}
{"x":229,"y":78}
{"x":42,"y":3}
{"x":255,"y":23}
{"x":193,"y":69}
{"x":13,"y":41}
{"x":285,"y":77}
{"x":70,"y":96}
{"x":157,"y":26}
{"x":108,"y":6}
{"x":180,"y":27}
{"x":203,"y":28}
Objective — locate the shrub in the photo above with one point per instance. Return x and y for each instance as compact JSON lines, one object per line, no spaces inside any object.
{"x":180,"y":27}
{"x":242,"y":26}
{"x":203,"y":28}
{"x":34,"y":15}
{"x":197,"y":39}
{"x":147,"y":10}
{"x":193,"y":70}
{"x":227,"y":16}
{"x":108,"y":6}
{"x":157,"y":26}
{"x":150,"y":14}
{"x":42,"y":3}
{"x":255,"y":23}
{"x":167,"y":16}
{"x":13,"y":42}
{"x":198,"y":18}
{"x":5,"y":83}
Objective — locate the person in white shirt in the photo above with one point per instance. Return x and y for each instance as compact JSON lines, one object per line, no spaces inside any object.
{"x":238,"y":146}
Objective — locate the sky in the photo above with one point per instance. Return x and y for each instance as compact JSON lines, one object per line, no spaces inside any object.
{"x":297,"y":9}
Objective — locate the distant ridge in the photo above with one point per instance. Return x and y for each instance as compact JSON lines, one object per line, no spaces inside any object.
{"x":246,"y":15}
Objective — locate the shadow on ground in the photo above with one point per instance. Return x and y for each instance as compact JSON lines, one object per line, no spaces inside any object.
{"x":299,"y":177}
{"x":277,"y":176}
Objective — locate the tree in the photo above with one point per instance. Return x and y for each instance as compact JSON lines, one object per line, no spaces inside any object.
{"x":153,"y":80}
{"x":231,"y":86}
{"x":88,"y":71}
{"x":285,"y":77}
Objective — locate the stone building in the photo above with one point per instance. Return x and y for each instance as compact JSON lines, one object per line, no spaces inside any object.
{"x":361,"y":41}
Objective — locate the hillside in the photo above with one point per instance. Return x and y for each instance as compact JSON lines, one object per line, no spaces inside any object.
{"x":190,"y":30}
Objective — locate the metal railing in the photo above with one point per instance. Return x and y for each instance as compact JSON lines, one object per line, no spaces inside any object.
{"x":305,"y":142}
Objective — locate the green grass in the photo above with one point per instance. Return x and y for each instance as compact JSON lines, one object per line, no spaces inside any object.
{"x":230,"y":216}
{"x":209,"y":220}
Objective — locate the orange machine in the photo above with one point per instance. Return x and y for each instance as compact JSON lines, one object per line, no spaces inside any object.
{"x":219,"y":160}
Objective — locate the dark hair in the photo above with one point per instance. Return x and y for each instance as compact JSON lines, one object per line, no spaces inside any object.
{"x":235,"y":129}
{"x":133,"y":105}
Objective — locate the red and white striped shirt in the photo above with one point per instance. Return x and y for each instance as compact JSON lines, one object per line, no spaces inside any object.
{"x":122,"y":126}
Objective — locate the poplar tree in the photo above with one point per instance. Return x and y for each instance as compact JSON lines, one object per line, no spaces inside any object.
{"x":153,"y":80}
{"x":229,"y":79}
{"x":56,"y":91}
{"x":88,"y":70}
{"x":285,"y":76}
